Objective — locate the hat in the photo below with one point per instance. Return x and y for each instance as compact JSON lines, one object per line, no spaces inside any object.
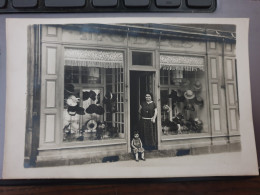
{"x":72,"y":110}
{"x":199,"y":101}
{"x":100,"y":110}
{"x":108,"y":95}
{"x":92,"y":95}
{"x":86,"y":95}
{"x":173,"y":94}
{"x":189,"y":94}
{"x":91,"y":124}
{"x":93,"y":108}
{"x":197,"y":85}
{"x":72,"y":100}
{"x":80,"y":110}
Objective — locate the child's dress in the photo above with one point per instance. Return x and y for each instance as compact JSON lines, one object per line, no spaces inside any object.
{"x":137,"y":145}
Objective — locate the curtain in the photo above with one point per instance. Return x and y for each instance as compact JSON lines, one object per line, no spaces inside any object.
{"x":93,"y":58}
{"x":179,"y":62}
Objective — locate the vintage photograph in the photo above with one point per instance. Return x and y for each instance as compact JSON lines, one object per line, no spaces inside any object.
{"x":101,"y":93}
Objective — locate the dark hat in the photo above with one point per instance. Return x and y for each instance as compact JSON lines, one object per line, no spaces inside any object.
{"x":92,"y":95}
{"x":173,"y":94}
{"x":93,"y":108}
{"x":80,"y":110}
{"x":199,"y":101}
{"x":86,"y":95}
{"x":100,"y":110}
{"x":189,"y":94}
{"x":109,"y":98}
{"x":108,"y":95}
{"x":197,"y":85}
{"x":72,"y":110}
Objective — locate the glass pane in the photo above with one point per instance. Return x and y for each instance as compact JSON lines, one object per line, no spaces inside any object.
{"x":183,"y":106}
{"x":71,"y":74}
{"x":91,"y":75}
{"x":142,"y":58}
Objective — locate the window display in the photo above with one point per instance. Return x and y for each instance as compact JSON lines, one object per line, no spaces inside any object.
{"x":93,"y":96}
{"x":183,"y":91}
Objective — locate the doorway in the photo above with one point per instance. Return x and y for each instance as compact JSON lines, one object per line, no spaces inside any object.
{"x":140,"y":83}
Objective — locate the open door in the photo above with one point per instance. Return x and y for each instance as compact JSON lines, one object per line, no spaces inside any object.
{"x":140,"y":83}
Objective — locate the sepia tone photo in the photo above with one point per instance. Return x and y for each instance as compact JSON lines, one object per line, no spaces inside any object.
{"x":100,"y":93}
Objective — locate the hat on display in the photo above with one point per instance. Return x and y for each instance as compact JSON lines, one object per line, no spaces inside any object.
{"x":197,"y":85}
{"x":173,"y":94}
{"x":91,"y":125}
{"x":86,"y":95}
{"x":93,"y":108}
{"x":72,"y":110}
{"x":109,"y":97}
{"x":92,"y":95}
{"x":72,"y":100}
{"x":189,"y":94}
{"x":199,"y":101}
{"x":80,"y":110}
{"x":100,"y":110}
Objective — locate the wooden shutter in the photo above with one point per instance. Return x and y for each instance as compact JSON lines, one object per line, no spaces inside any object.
{"x":50,"y":95}
{"x":217,"y":97}
{"x":231,"y":94}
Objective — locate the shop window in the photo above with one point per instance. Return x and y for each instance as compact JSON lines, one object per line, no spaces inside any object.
{"x":93,"y":96}
{"x":182,"y":95}
{"x":142,"y":58}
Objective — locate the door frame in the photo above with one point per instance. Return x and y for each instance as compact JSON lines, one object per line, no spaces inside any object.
{"x":156,"y":99}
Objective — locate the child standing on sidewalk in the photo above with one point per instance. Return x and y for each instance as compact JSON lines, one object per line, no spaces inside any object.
{"x":137,"y":147}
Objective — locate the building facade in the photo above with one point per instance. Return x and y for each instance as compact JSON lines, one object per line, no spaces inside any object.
{"x":86,"y":83}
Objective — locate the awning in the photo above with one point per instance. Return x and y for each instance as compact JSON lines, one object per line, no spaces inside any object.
{"x":181,"y":62}
{"x":93,"y":58}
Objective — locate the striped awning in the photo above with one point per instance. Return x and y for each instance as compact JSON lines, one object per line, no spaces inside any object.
{"x":93,"y":58}
{"x":181,"y":62}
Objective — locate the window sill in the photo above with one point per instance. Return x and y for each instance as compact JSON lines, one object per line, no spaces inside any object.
{"x":96,"y":143}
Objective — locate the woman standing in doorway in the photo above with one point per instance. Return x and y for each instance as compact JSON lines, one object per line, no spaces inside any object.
{"x":148,"y":111}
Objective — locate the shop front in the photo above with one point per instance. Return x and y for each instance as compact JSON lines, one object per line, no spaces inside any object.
{"x":90,"y":80}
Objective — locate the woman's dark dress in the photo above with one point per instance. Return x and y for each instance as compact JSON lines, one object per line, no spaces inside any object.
{"x":148,"y":128}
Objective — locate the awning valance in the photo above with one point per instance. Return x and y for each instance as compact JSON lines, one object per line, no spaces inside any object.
{"x":180,"y":62}
{"x":93,"y":58}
